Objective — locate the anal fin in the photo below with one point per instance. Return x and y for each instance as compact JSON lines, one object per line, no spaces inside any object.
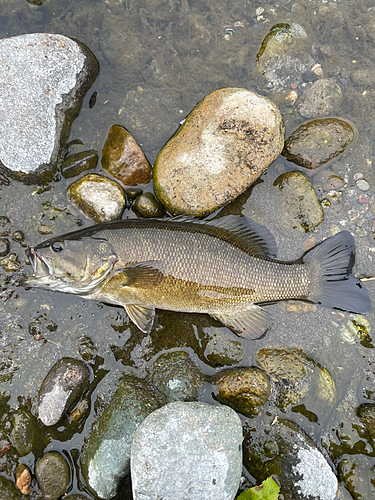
{"x":251,"y":322}
{"x":143,"y":317}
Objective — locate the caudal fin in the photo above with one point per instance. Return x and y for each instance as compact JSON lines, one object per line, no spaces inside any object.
{"x":333,"y":284}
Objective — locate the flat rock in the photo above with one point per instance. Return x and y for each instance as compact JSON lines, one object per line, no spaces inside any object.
{"x":318,"y":141}
{"x":187,"y":450}
{"x":227,"y":141}
{"x":44,"y":78}
{"x":321,"y":99}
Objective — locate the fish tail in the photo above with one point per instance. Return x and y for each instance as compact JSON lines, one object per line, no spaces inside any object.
{"x":332,"y":282}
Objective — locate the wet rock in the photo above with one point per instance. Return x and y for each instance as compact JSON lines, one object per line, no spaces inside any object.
{"x":8,"y":491}
{"x":4,"y":247}
{"x":187,"y":450}
{"x":53,"y":475}
{"x":363,"y":77}
{"x":176,"y":376}
{"x":315,"y":143}
{"x":321,"y":99}
{"x":23,"y":479}
{"x":77,"y":163}
{"x":285,"y":450}
{"x":10,"y":263}
{"x":148,"y":206}
{"x":105,"y":458}
{"x":61,"y":388}
{"x":224,"y":145}
{"x":5,"y":226}
{"x":246,"y":390}
{"x":366,"y":413}
{"x":358,"y":474}
{"x":98,"y":197}
{"x":55,"y":71}
{"x":19,"y":237}
{"x":291,"y":369}
{"x":300,"y":204}
{"x":26,"y":433}
{"x":124,"y":159}
{"x":222,"y":350}
{"x":284,"y":56}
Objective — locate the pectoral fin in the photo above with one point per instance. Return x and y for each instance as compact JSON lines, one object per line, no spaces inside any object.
{"x":142,"y":274}
{"x":251,"y":322}
{"x":142,"y":316}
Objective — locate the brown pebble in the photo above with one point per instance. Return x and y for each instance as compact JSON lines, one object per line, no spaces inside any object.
{"x":23,"y":479}
{"x":4,"y":447}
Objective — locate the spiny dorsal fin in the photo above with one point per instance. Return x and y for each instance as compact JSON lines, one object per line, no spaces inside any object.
{"x":253,"y":234}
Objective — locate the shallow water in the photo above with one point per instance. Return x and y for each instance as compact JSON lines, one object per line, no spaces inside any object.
{"x":158,"y":59}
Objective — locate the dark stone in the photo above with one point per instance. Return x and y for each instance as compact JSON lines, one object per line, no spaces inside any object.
{"x":77,"y":163}
{"x":61,"y":388}
{"x":148,"y":206}
{"x":53,"y":475}
{"x":316,"y":142}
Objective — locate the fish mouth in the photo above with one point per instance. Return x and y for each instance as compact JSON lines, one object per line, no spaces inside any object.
{"x":40,"y":265}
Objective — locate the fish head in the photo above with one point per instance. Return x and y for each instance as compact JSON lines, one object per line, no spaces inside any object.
{"x":71,"y":265}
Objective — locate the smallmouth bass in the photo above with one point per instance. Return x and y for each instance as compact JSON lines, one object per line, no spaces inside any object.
{"x":223,"y":267}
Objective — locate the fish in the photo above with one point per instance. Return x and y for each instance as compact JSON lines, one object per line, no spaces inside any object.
{"x":224,"y":267}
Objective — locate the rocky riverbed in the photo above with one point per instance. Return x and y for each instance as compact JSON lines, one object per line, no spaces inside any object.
{"x":90,"y":406}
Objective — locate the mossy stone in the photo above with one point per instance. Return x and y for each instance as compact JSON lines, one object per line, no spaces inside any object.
{"x":53,"y":475}
{"x":77,"y":163}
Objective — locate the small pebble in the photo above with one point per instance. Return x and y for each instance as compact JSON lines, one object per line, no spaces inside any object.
{"x":5,"y":226}
{"x":23,"y":479}
{"x":19,"y":237}
{"x":358,"y":176}
{"x":4,"y":247}
{"x":363,"y":185}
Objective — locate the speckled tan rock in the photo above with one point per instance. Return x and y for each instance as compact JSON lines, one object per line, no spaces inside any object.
{"x":225,"y":144}
{"x":98,"y":197}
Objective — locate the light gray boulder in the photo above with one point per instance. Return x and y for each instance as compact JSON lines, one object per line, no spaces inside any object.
{"x":44,"y":78}
{"x":187,"y":451}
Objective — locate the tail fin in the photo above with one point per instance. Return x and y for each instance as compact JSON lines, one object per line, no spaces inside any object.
{"x":333,"y":284}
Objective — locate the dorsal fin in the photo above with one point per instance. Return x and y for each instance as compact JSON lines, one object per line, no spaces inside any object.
{"x":253,"y":234}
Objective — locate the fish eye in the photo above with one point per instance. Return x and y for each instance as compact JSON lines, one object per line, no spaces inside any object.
{"x":57,"y":246}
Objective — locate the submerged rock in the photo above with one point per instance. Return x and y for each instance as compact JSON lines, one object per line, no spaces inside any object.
{"x":148,"y":206}
{"x":300,"y":204}
{"x":53,"y":71}
{"x":187,"y":450}
{"x":8,"y":491}
{"x":321,"y":99}
{"x":26,"y":433}
{"x":105,"y":458}
{"x":53,"y":475}
{"x":222,"y":350}
{"x":366,"y":413}
{"x":315,"y":143}
{"x":77,"y":163}
{"x":224,"y":145}
{"x":124,"y":159}
{"x":246,"y":390}
{"x":176,"y":376}
{"x":98,"y":197}
{"x":285,"y":450}
{"x":284,"y":56}
{"x":61,"y":388}
{"x":358,"y":474}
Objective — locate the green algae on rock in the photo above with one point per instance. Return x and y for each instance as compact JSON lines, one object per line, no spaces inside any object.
{"x":316,"y":142}
{"x":245,"y":389}
{"x":53,"y":475}
{"x":105,"y":458}
{"x":176,"y":376}
{"x":227,"y":141}
{"x":98,"y":197}
{"x":148,"y":206}
{"x":300,"y":204}
{"x":124,"y":159}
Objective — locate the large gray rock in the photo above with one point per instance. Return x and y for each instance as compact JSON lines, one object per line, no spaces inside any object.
{"x":43,"y":80}
{"x":187,"y":451}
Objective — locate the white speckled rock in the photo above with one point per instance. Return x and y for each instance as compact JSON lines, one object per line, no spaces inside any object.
{"x":187,"y":451}
{"x":227,"y":141}
{"x":98,"y":197}
{"x":43,"y":80}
